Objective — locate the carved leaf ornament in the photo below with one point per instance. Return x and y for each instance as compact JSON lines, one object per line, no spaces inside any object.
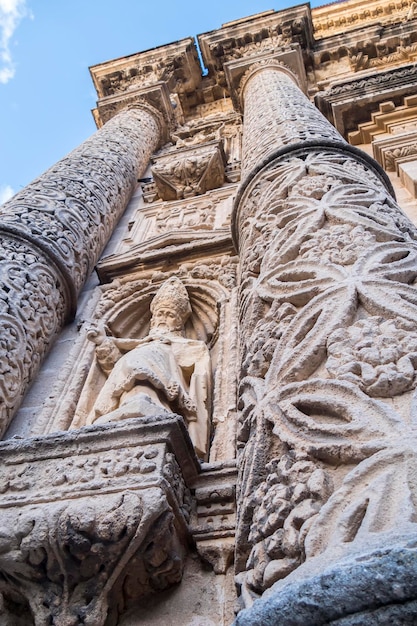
{"x":344,"y":257}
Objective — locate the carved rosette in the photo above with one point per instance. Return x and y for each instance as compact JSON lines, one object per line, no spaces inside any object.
{"x":328,"y":312}
{"x":102,"y":520}
{"x":53,"y":232}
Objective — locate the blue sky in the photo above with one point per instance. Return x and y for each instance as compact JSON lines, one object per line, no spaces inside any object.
{"x":46,"y":47}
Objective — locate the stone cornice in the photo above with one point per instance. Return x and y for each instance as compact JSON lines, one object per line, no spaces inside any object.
{"x":369,"y":90}
{"x":265,"y":33}
{"x":176,"y":64}
{"x":338,"y":17}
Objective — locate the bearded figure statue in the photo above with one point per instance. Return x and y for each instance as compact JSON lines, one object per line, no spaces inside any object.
{"x":164,"y":372}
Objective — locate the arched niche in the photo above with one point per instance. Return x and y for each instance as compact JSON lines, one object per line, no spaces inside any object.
{"x":125,"y":310}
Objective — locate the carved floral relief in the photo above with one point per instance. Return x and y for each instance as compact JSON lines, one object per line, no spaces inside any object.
{"x":332,"y":293}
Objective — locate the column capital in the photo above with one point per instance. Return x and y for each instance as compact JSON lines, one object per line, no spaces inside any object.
{"x":289,"y":61}
{"x":162,"y":77}
{"x":154,"y":99}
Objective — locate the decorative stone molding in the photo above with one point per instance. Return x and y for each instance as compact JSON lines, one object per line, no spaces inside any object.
{"x":119,"y":81}
{"x":266,"y":33}
{"x":390,"y":119}
{"x":395,"y":150}
{"x":361,"y":97}
{"x":53,"y":232}
{"x":196,"y":226}
{"x":329,"y":20}
{"x":176,"y":63}
{"x":102,"y":522}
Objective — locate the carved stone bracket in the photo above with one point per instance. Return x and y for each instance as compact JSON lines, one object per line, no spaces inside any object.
{"x":214,"y":515}
{"x":94,"y":519}
{"x":189,"y":172}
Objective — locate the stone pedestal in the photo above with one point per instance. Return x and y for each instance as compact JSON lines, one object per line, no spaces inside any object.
{"x":93,"y":520}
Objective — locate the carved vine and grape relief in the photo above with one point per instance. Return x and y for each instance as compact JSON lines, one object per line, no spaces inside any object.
{"x":329,"y":314}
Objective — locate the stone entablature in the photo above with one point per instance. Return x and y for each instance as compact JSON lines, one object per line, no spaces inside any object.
{"x":339,"y":17}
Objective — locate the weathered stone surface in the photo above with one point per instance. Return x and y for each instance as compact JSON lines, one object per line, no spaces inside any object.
{"x":52,"y":235}
{"x":95,"y":519}
{"x":328,"y":316}
{"x":376,"y":589}
{"x":303,"y":346}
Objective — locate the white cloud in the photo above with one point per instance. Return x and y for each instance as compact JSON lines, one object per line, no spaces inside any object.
{"x":6,"y":192}
{"x":11,"y":13}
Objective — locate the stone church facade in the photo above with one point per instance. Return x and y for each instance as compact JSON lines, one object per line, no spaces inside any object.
{"x":209,"y":340}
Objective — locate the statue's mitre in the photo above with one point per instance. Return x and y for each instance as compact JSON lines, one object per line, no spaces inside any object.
{"x":173,"y":295}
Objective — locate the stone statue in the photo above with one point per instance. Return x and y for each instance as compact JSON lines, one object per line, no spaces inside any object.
{"x":164,"y":372}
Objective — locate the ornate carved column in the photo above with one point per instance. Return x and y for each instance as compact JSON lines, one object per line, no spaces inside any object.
{"x":52,"y":234}
{"x":328,"y":310}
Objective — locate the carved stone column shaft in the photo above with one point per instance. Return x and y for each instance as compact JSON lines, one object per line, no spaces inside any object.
{"x":53,"y":233}
{"x":328,"y":311}
{"x":276,"y":114}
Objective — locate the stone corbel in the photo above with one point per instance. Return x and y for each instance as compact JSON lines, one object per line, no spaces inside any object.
{"x":214,"y":515}
{"x":93,"y":520}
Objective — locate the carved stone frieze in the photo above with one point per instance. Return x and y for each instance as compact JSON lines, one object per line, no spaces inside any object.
{"x":266,"y":34}
{"x":362,"y":96}
{"x":189,"y":172}
{"x":329,"y":20}
{"x":180,"y":226}
{"x":119,"y":81}
{"x":177,"y":63}
{"x":102,"y":519}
